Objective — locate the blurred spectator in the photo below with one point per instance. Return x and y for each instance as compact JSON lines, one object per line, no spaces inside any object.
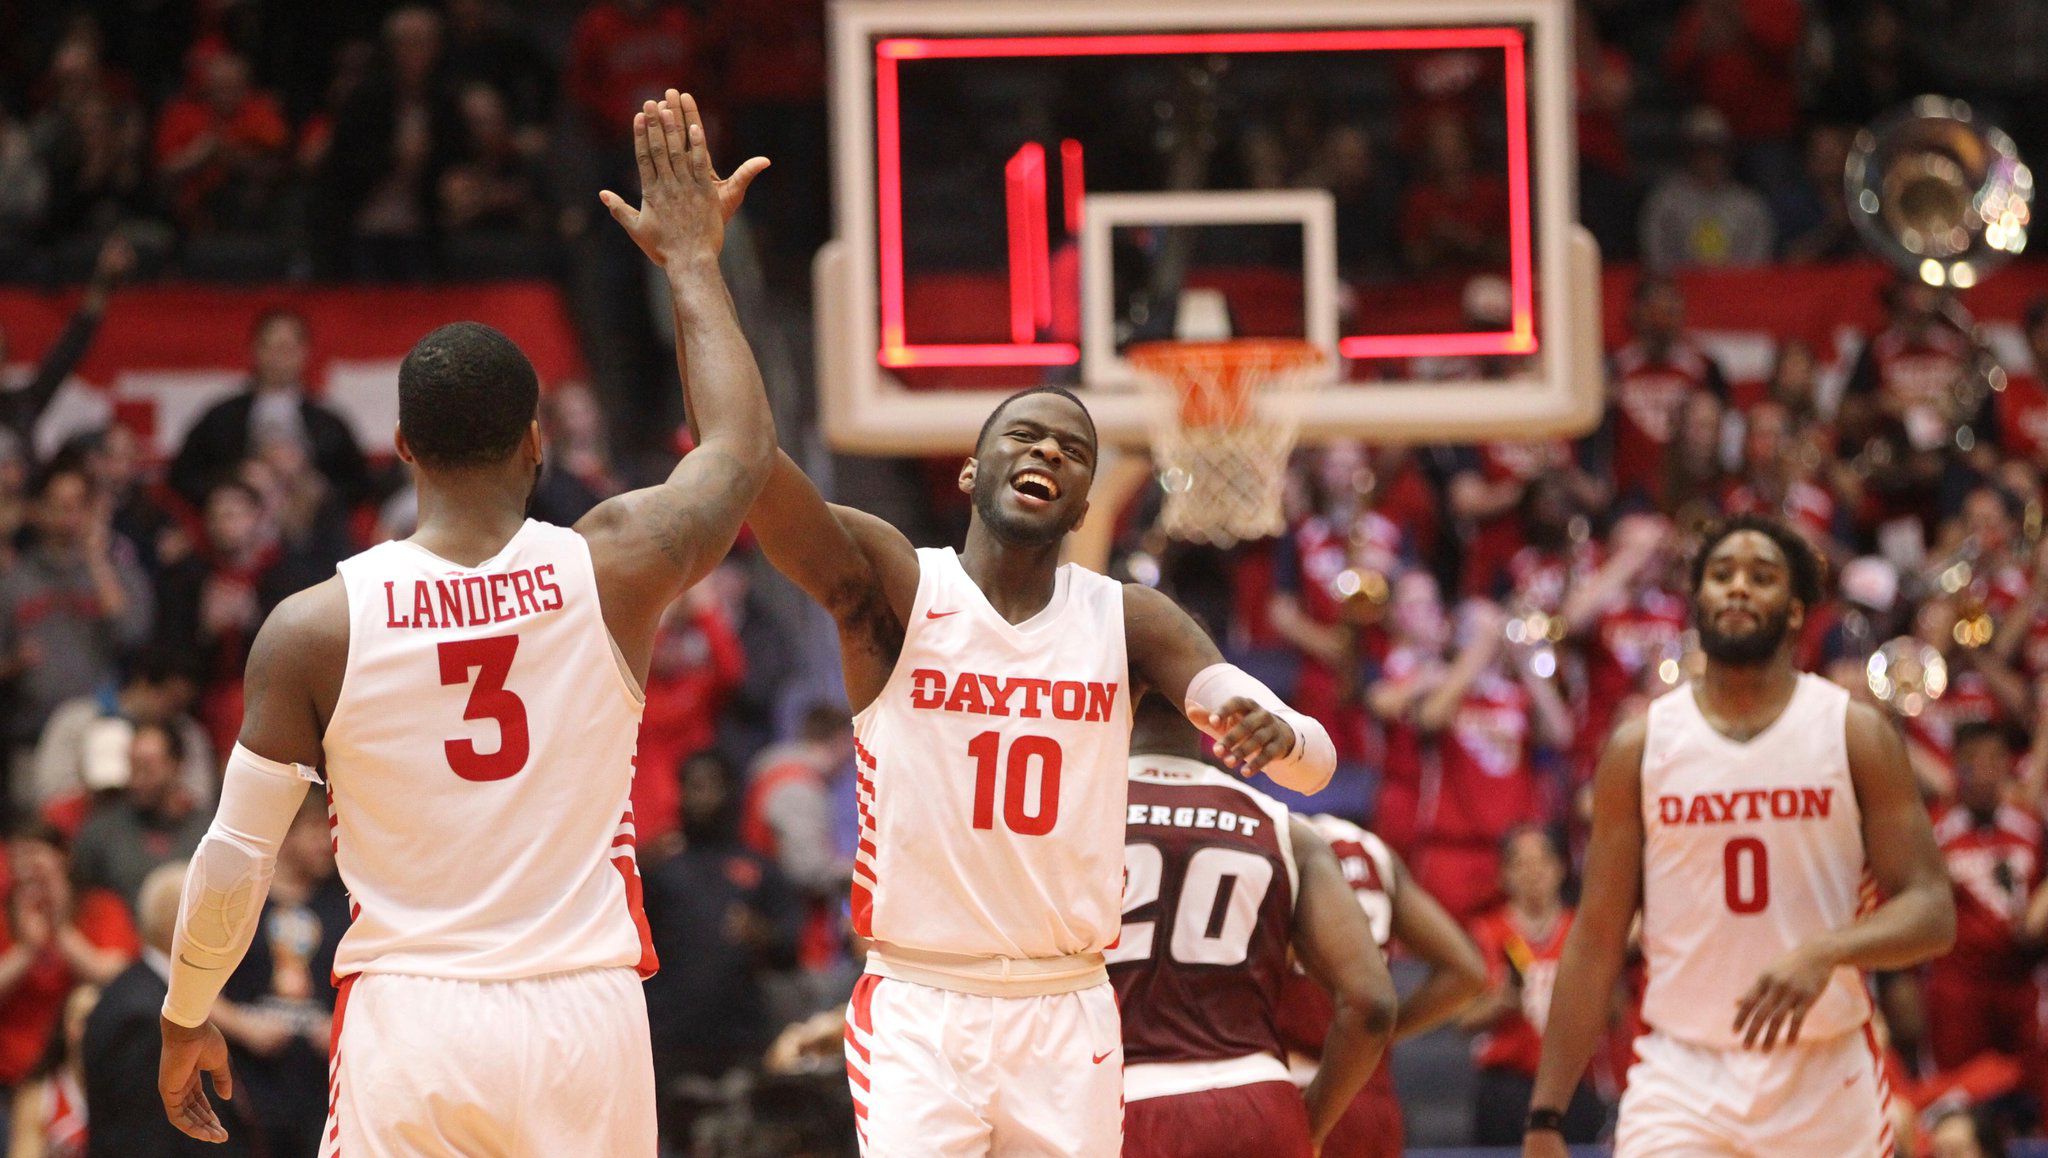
{"x":1871,"y":72}
{"x":1603,"y":81}
{"x":55,"y":937}
{"x":490,"y":185}
{"x":213,"y":602}
{"x":1521,"y":943}
{"x":1778,"y":478}
{"x":73,"y":603}
{"x":151,"y":822}
{"x":1898,"y":418}
{"x":24,"y":181}
{"x":1629,"y":620}
{"x":277,"y":1009}
{"x":488,"y":44}
{"x":221,"y":149}
{"x":1812,"y":215}
{"x":354,"y":61}
{"x":275,"y":405}
{"x":771,"y":67}
{"x":91,"y":135}
{"x":392,"y":139}
{"x":1695,"y":469}
{"x":1488,"y":494}
{"x":48,"y":1111}
{"x":2023,"y":406}
{"x":1700,"y":215}
{"x":22,"y":402}
{"x":301,"y":508}
{"x":122,"y":1039}
{"x":113,"y":457}
{"x":1959,"y":1133}
{"x":1740,"y":58}
{"x":1794,"y":382}
{"x":1982,"y":995}
{"x":577,"y":473}
{"x":156,"y":689}
{"x":786,"y":815}
{"x":1650,"y":379}
{"x":697,"y":664}
{"x":1453,"y":217}
{"x":723,"y":916}
{"x":1472,"y":710}
{"x":625,"y":52}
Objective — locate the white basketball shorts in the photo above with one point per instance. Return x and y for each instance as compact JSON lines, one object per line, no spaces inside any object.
{"x":1824,"y":1097}
{"x":942,"y":1074}
{"x":425,"y":1067}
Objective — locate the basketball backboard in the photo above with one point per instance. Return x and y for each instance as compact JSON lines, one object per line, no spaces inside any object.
{"x":1022,"y":190}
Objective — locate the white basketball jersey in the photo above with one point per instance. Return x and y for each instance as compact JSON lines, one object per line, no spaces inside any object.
{"x":991,"y":773}
{"x":479,"y":764}
{"x":1749,"y":850}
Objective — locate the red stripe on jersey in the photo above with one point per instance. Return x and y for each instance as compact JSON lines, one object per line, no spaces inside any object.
{"x":854,"y":1075}
{"x":629,"y":871}
{"x":863,"y":910}
{"x":866,"y":757}
{"x":343,"y":988}
{"x":1884,"y":1091}
{"x":862,"y":1003}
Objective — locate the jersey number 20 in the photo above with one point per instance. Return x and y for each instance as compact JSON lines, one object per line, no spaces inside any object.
{"x":1221,"y":890}
{"x":491,"y":660}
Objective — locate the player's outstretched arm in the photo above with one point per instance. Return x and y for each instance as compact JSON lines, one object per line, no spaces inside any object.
{"x":293,"y":674}
{"x":1333,"y":941}
{"x":1598,"y":941}
{"x":1457,"y":973}
{"x":858,"y":568}
{"x":1916,"y":922}
{"x":648,"y":545}
{"x":1254,"y":730}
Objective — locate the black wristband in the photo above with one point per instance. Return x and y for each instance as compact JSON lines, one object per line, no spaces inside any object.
{"x":1544,"y":1118}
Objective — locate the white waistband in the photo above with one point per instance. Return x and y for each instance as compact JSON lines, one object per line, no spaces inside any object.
{"x":1303,"y":1068}
{"x":989,"y":976}
{"x":1165,"y":1079}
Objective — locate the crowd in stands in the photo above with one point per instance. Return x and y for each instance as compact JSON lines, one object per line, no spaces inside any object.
{"x":1470,"y":622}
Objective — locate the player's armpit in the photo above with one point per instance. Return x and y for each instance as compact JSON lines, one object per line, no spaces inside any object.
{"x":1457,"y":973}
{"x":1333,"y":941}
{"x":293,"y":677}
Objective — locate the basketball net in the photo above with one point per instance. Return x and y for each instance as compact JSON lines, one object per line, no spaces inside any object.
{"x":1221,"y":455}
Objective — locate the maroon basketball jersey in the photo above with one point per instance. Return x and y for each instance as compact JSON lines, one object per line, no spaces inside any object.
{"x":1208,"y":914}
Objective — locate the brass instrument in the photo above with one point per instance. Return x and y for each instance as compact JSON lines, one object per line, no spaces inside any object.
{"x":1944,"y":197}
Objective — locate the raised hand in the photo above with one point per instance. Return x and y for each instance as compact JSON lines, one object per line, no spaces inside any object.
{"x":684,"y":204}
{"x":1248,"y":735}
{"x":188,"y":1053}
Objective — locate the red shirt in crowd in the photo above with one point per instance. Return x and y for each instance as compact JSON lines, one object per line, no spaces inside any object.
{"x":1628,"y":643}
{"x":1480,"y":205}
{"x":1516,"y":1041}
{"x":29,"y":1014}
{"x":773,"y":52}
{"x":2023,"y":417}
{"x":257,"y":125}
{"x":617,"y":59}
{"x":1995,"y":868}
{"x":1751,"y":76}
{"x":1649,"y":391}
{"x":694,"y":670}
{"x":1495,"y":540}
{"x":1807,"y":507}
{"x":1482,"y":781}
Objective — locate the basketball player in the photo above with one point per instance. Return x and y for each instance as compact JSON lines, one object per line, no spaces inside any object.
{"x":992,"y":690}
{"x":1748,"y":814}
{"x":1219,"y":883}
{"x":1397,"y":908}
{"x":471,"y":696}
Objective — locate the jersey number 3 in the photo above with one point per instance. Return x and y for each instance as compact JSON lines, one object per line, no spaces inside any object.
{"x":491,"y":659}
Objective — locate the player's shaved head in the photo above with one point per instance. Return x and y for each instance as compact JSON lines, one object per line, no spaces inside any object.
{"x":1160,"y":729}
{"x":466,"y":396}
{"x":1063,"y":392}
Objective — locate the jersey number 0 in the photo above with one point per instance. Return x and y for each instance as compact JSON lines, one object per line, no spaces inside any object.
{"x":491,"y":659}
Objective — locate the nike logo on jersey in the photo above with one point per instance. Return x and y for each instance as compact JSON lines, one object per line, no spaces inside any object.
{"x":941,"y":614}
{"x":1103,"y":1056}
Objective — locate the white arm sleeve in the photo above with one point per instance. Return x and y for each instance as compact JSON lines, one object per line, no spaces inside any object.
{"x":229,"y":877}
{"x":1313,"y":761}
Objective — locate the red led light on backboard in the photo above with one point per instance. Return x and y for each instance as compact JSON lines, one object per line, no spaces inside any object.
{"x":1028,"y":302}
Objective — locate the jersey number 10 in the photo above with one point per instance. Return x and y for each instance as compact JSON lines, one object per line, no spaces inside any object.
{"x":1016,"y":777}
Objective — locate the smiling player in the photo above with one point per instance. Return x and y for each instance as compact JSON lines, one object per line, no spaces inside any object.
{"x":1751,"y":814}
{"x":993,"y":688}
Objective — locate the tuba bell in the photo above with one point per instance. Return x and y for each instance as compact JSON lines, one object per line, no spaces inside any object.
{"x":1943,"y":197}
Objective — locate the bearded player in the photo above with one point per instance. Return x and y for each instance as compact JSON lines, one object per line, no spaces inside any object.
{"x":1756,"y":816}
{"x":992,"y":688}
{"x":1398,"y":911}
{"x":1220,"y":883}
{"x":471,"y":696}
